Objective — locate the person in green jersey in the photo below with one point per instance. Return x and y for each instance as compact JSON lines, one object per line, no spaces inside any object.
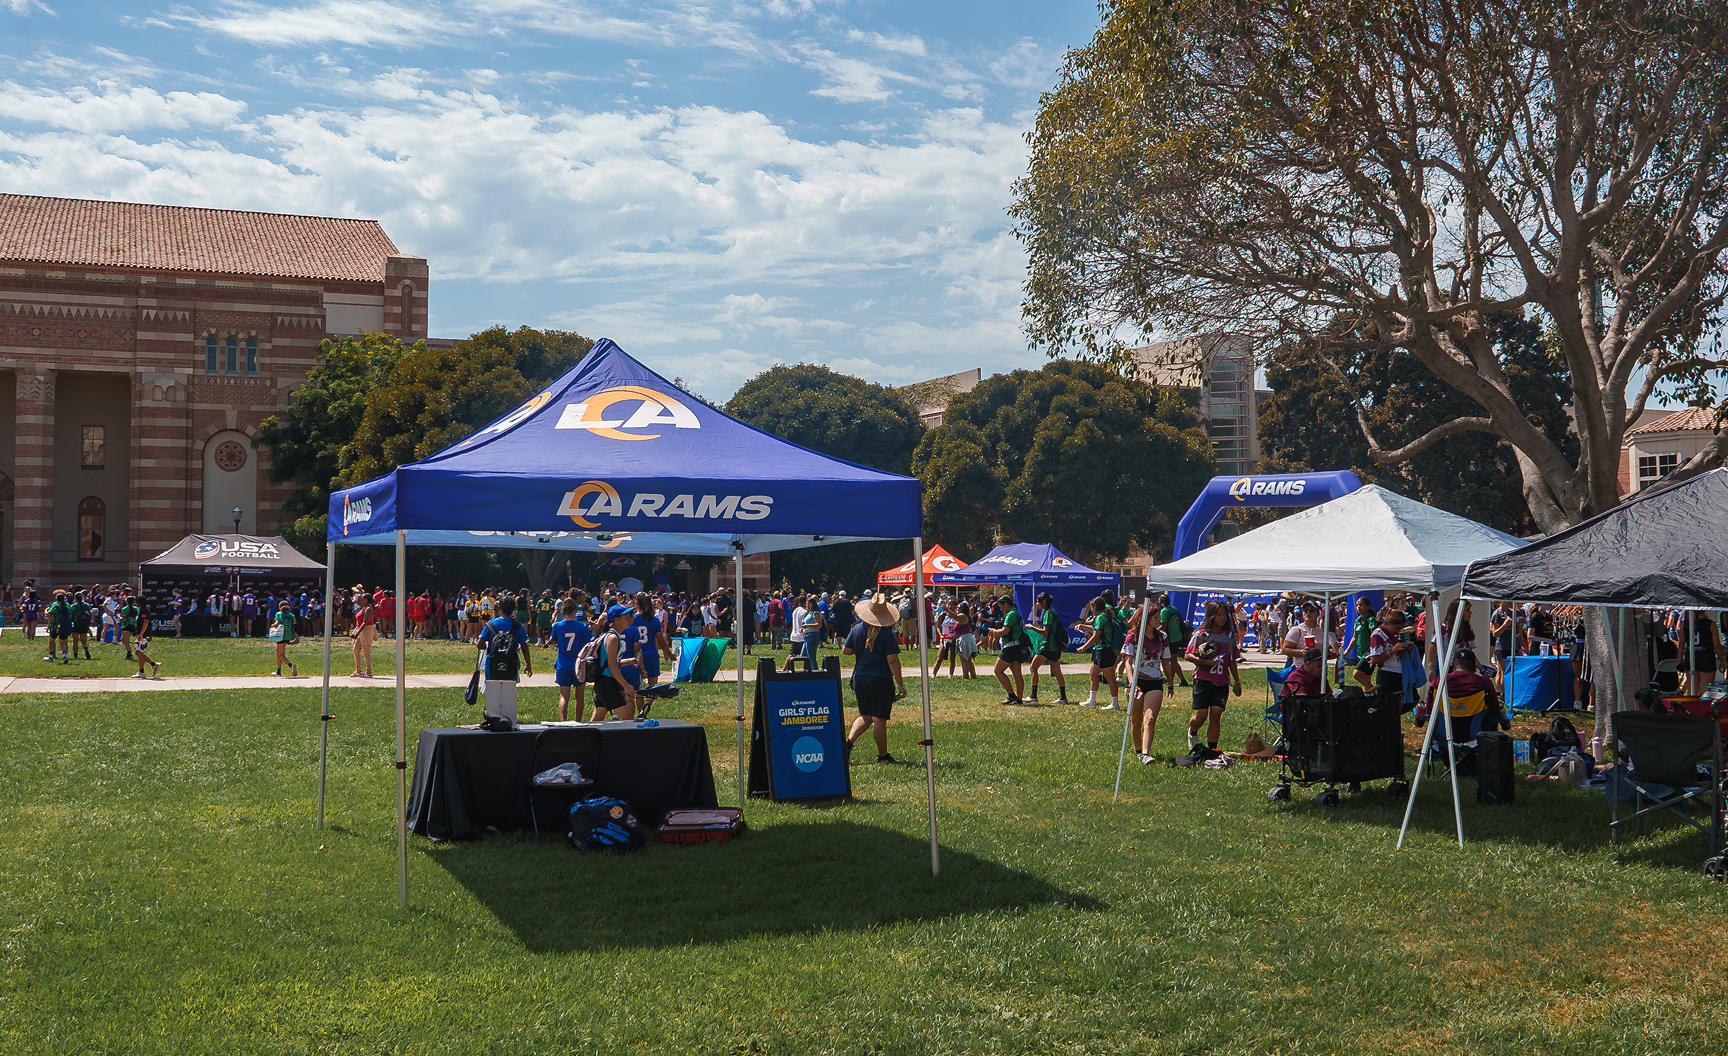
{"x":81,"y":624}
{"x":59,"y":628}
{"x":1105,"y":643}
{"x":1366,"y":621}
{"x":1171,"y":621}
{"x":128,"y":624}
{"x":1055,"y":636}
{"x":1014,"y":652}
{"x":284,"y":619}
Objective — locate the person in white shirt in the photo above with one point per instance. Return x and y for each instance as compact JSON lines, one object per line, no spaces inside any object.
{"x":1387,"y":647}
{"x":795,"y":639}
{"x":1306,"y":635}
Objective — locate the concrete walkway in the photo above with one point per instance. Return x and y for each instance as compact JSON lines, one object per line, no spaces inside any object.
{"x":387,"y":680}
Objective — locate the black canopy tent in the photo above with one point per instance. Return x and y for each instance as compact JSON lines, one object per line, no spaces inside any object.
{"x":1663,"y":550}
{"x":264,"y":563}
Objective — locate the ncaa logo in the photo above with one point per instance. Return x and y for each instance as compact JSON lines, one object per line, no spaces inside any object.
{"x":603,"y":414}
{"x":206,"y":550}
{"x":807,"y":754}
{"x":605,"y":501}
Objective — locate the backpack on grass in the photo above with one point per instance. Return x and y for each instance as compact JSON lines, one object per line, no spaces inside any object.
{"x":605,"y":823}
{"x":1564,"y":734}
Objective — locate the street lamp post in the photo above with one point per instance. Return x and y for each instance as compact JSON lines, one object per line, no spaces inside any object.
{"x":237,"y":516}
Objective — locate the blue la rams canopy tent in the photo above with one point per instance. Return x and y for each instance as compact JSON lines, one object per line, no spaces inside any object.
{"x":1032,"y":568}
{"x":613,"y":458}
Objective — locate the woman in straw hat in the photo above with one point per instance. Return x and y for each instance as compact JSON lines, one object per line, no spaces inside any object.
{"x":876,"y":679}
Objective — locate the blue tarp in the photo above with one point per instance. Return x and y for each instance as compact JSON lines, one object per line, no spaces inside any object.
{"x":612,"y":457}
{"x":1032,"y":568}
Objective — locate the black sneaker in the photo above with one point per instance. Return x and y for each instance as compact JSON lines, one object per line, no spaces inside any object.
{"x":1009,"y":699}
{"x":886,"y":759}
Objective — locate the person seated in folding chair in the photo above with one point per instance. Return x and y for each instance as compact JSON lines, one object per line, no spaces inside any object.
{"x":1472,"y":703}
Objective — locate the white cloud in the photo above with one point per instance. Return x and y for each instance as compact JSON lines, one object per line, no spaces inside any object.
{"x":908,"y":45}
{"x":110,"y":108}
{"x":356,"y":22}
{"x":25,"y":7}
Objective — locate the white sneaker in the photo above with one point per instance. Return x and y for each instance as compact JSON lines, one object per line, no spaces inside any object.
{"x":1112,"y":706}
{"x":139,"y":674}
{"x":1089,"y":702}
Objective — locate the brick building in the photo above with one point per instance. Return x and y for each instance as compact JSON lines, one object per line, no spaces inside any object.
{"x":140,"y":348}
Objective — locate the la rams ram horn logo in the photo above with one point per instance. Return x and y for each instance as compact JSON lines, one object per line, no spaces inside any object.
{"x":653,"y":410}
{"x":1061,"y":562}
{"x":578,"y":509}
{"x":206,"y":550}
{"x":1239,"y":490}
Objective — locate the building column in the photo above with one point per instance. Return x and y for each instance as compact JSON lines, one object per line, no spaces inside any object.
{"x":33,"y":496}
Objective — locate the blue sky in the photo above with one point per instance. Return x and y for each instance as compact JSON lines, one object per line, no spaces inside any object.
{"x":719,"y":187}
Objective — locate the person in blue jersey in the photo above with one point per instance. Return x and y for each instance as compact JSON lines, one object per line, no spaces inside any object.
{"x":569,"y":634}
{"x":651,"y":637}
{"x":617,"y":690}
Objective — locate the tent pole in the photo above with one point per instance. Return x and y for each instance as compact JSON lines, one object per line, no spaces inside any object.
{"x":1133,"y":692}
{"x":1687,"y":651}
{"x":1616,"y":639}
{"x":1445,"y":715}
{"x":1428,"y":738}
{"x":738,"y":623}
{"x":401,"y":727}
{"x":1325,"y":633}
{"x":929,"y":743}
{"x":324,"y":714}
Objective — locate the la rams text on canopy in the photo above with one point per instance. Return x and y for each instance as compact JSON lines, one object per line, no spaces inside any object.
{"x":596,"y":498}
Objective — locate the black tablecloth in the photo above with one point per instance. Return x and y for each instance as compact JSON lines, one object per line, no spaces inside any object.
{"x":465,"y":780}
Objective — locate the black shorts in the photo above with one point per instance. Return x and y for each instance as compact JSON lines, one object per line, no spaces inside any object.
{"x":608,"y":694}
{"x":1104,"y":656}
{"x":1365,"y":666}
{"x":1208,"y":695}
{"x":1142,"y":684}
{"x":1015,"y":654}
{"x":875,"y":697}
{"x":1052,"y":652}
{"x":1389,"y":681}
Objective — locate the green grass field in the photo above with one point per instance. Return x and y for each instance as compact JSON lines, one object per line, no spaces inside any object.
{"x":165,"y":891}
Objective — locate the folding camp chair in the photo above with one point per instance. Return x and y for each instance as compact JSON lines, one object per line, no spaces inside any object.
{"x":562,"y":745}
{"x":1465,"y":717}
{"x":1664,"y":751}
{"x":1274,"y":712}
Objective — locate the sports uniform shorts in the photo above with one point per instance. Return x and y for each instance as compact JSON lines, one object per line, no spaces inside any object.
{"x":1365,"y":666}
{"x":1104,"y":656}
{"x":1016,"y":653}
{"x":875,"y":697}
{"x":608,"y":695}
{"x":1052,"y":651}
{"x":564,"y":675}
{"x":651,"y":665}
{"x":1209,"y":695}
{"x":1389,"y":682}
{"x":1142,"y":684}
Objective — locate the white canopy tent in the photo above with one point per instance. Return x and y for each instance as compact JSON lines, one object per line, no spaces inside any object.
{"x":1371,"y":539}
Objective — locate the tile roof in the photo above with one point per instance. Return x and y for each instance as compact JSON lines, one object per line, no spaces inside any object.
{"x":1684,"y":420}
{"x":181,"y":238}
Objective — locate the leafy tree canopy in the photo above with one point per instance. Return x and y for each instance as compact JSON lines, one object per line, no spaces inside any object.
{"x":1072,"y":454}
{"x":1418,"y":165}
{"x":1309,"y":424}
{"x":835,"y":414}
{"x":845,"y":417}
{"x":372,"y":403}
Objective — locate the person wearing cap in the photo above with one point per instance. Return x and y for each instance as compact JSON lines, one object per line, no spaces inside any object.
{"x":617,"y":691}
{"x":876,"y":679}
{"x":1306,"y":635}
{"x":1305,"y":680}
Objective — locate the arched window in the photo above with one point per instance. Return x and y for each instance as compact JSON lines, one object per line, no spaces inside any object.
{"x":92,"y":528}
{"x":251,"y":355}
{"x":210,"y":354}
{"x":233,"y":355}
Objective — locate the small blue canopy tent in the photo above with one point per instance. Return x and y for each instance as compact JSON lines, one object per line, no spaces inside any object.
{"x":1031,"y":568}
{"x":613,"y":458}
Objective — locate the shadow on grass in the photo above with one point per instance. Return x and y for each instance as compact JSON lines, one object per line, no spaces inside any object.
{"x":1544,"y":814}
{"x":778,"y":880}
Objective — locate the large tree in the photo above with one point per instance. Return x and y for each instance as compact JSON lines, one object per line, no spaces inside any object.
{"x":1308,"y":423}
{"x":846,"y":417}
{"x":1419,"y":165}
{"x":374,"y":404}
{"x":1072,"y":454}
